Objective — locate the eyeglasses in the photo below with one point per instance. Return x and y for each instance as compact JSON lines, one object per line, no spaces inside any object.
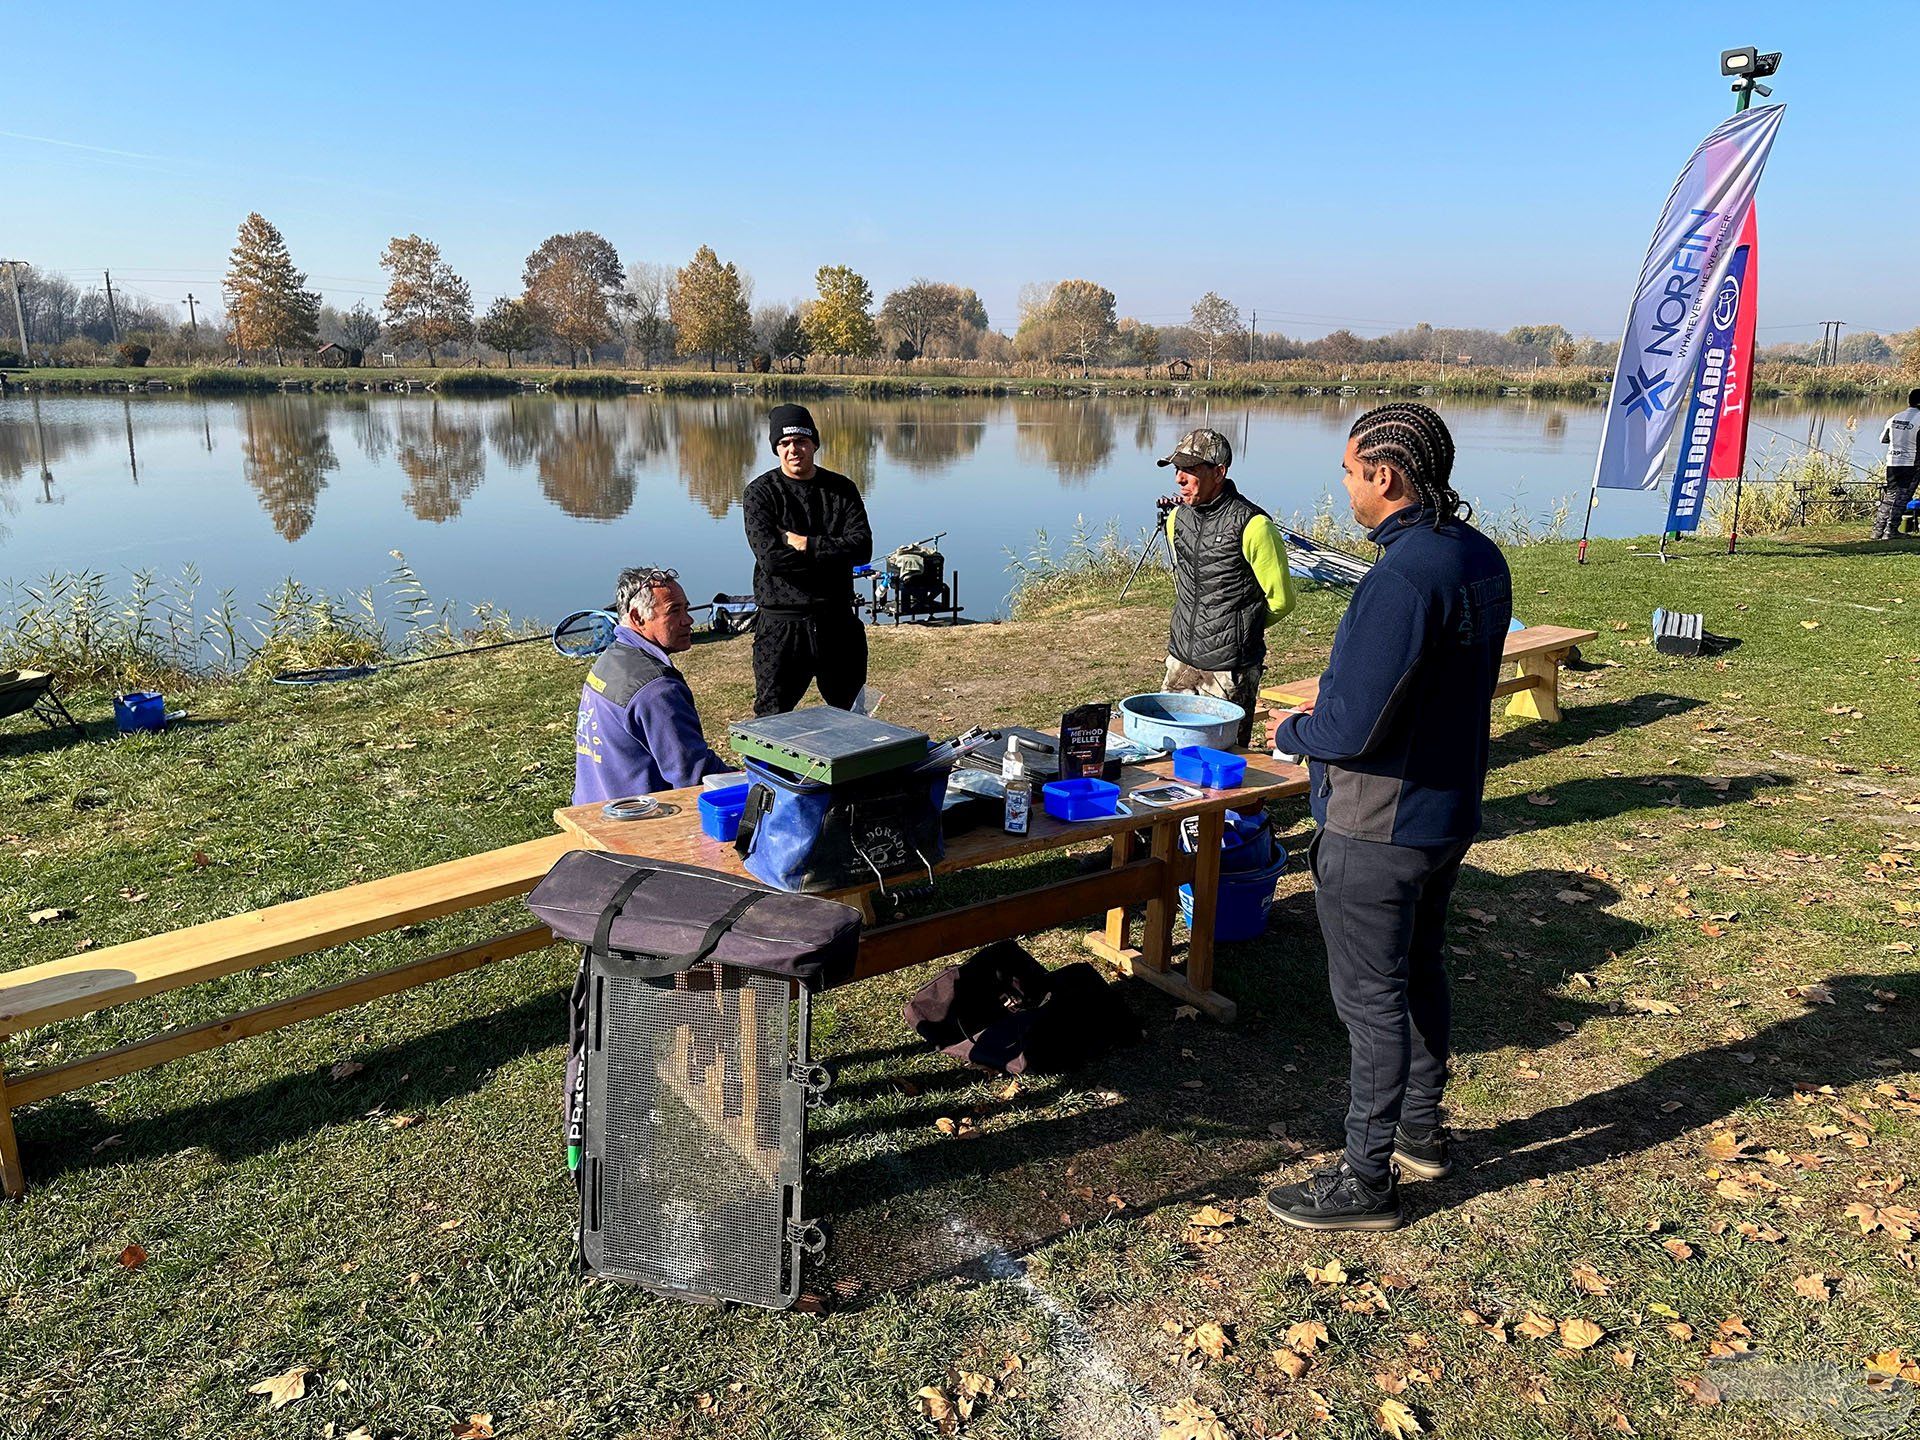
{"x":651,"y":577}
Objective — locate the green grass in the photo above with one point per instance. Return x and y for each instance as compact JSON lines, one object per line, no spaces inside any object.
{"x":420,"y":1268}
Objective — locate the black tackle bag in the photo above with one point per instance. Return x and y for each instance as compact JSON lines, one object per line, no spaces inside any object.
{"x":1002,"y":1009}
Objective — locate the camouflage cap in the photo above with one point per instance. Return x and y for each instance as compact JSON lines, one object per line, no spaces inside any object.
{"x":1200,"y":447}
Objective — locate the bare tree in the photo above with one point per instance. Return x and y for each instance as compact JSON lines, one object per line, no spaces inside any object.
{"x":1214,"y":324}
{"x":650,"y":287}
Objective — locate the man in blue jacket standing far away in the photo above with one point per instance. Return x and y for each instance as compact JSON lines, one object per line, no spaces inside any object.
{"x":637,"y":730}
{"x":1396,"y":742}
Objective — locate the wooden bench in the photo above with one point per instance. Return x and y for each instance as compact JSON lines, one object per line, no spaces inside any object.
{"x":36,"y":995}
{"x":1536,"y":653}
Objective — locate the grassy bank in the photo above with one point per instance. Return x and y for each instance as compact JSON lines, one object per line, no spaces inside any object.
{"x":1684,"y":958}
{"x":1772,"y":381}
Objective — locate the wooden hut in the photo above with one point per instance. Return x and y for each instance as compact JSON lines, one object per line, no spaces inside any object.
{"x":793,"y":363}
{"x":1180,"y":368}
{"x":338,"y":357}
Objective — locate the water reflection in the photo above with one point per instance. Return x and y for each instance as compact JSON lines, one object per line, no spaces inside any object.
{"x":716,"y":453}
{"x":286,"y":454}
{"x":444,"y":457}
{"x":1073,"y":438}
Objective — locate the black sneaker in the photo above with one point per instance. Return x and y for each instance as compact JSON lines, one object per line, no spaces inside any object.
{"x":1337,"y":1199}
{"x":1425,"y":1153}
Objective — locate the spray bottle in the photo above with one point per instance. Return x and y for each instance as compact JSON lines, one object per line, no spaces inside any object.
{"x":1013,"y":776}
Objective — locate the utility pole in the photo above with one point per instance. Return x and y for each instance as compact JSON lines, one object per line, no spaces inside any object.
{"x":19,"y":321}
{"x":1830,"y":341}
{"x":113,"y":315}
{"x":193,"y":324}
{"x":1251,"y":333}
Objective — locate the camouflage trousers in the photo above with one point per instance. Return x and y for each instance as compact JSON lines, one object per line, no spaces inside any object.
{"x":1240,"y":687}
{"x":1894,"y":495}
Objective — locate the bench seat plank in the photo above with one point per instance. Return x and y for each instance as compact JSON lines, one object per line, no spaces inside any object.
{"x":1520,"y":646}
{"x":37,"y":995}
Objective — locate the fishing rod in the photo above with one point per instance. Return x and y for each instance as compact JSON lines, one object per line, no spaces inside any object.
{"x":1812,"y":449}
{"x":583,"y":634}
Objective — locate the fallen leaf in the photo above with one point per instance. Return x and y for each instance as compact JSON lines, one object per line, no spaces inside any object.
{"x":1294,"y":1364}
{"x":1306,"y":1336}
{"x":1651,"y":1007}
{"x":1812,"y":1287}
{"x":1678,"y":1249}
{"x":1623,"y":1358}
{"x":1725,"y":1145}
{"x":345,"y":1069}
{"x":1396,"y":1420}
{"x":935,"y":1405}
{"x":1698,"y":1388}
{"x":1186,"y":1012}
{"x":1208,"y":1339}
{"x":1534,"y":1326}
{"x":1578,"y":1334}
{"x":49,"y":915}
{"x":1590,"y":1280}
{"x":134,"y":1256}
{"x":480,"y":1427}
{"x":1331,"y":1273}
{"x":1212,"y":1217}
{"x":1190,"y":1420}
{"x":283,"y":1389}
{"x":946,"y":1125}
{"x":1680,"y":1331}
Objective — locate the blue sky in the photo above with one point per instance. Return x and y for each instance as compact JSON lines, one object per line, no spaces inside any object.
{"x":1371,"y":165}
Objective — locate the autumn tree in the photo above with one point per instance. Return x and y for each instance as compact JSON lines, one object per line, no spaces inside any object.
{"x":708,"y":307}
{"x":1138,"y":342}
{"x":1082,"y":316}
{"x":1214,"y":324}
{"x":575,"y":282}
{"x":267,"y":300}
{"x":791,"y":338}
{"x":427,"y":304}
{"x":921,"y":310}
{"x":359,"y":328}
{"x":838,"y":321}
{"x":511,"y":325}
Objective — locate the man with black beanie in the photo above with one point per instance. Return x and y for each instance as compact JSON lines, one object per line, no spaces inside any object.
{"x":808,"y":529}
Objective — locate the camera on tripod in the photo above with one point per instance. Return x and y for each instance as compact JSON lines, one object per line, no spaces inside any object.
{"x":1166,"y":505}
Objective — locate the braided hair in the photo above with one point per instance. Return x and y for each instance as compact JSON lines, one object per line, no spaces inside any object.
{"x":1416,"y":442}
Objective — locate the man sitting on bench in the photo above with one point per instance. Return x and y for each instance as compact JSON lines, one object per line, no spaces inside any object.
{"x":638,"y":730}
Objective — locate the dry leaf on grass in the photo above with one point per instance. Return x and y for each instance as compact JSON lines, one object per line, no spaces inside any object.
{"x":1292,"y":1362}
{"x":1577,"y":1333}
{"x":1678,"y":1249}
{"x":1650,"y":1007}
{"x":480,"y":1427}
{"x":1812,"y":1287}
{"x":1211,"y":1217}
{"x":1897,"y":1220}
{"x":49,"y":915}
{"x":1680,"y":1331}
{"x":1190,"y":1420}
{"x":1208,"y":1339}
{"x":134,"y":1256}
{"x":1624,"y":1359}
{"x":933,"y":1403}
{"x":1306,"y":1336}
{"x":345,"y":1070}
{"x":1590,"y":1280}
{"x":283,"y":1389}
{"x":1397,"y":1420}
{"x":1331,"y":1273}
{"x":1725,"y":1145}
{"x":1535,"y":1326}
{"x":1698,"y":1388}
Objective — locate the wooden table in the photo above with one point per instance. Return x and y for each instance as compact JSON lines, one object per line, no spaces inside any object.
{"x":1152,"y":881}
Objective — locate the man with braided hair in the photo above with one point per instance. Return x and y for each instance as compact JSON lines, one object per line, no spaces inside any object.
{"x":1396,"y":742}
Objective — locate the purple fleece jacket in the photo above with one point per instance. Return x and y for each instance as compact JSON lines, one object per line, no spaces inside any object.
{"x":637,"y":731}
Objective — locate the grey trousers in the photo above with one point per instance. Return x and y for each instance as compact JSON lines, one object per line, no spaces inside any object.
{"x":1383,"y":914}
{"x":1894,"y":496}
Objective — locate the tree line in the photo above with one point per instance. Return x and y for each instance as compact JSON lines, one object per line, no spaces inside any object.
{"x":578,"y":299}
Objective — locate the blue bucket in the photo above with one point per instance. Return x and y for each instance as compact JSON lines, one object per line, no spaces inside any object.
{"x":721,"y":810}
{"x":1246,"y":898}
{"x":1167,"y":720}
{"x":139,"y":710}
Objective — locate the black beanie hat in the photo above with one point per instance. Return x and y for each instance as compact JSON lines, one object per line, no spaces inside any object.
{"x":791,"y":420}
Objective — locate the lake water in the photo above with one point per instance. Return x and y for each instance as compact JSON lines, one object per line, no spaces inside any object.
{"x":535,"y":502}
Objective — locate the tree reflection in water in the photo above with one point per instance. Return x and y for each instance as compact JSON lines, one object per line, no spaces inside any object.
{"x":717,"y":451}
{"x":286,"y":455}
{"x":929,"y":435}
{"x":582,"y":469}
{"x":444,"y":455}
{"x":1073,"y":436}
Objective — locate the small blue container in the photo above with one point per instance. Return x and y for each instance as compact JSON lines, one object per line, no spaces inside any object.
{"x":1079,"y":799}
{"x":139,"y":710}
{"x":1246,"y":899}
{"x":720,"y":811}
{"x":1214,"y":769}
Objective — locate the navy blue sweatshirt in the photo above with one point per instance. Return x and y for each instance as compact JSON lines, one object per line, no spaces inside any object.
{"x":1397,"y":740}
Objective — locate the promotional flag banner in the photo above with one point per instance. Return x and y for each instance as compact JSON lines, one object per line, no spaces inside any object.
{"x":1736,"y":394}
{"x":1691,"y":253}
{"x":1706,"y":412}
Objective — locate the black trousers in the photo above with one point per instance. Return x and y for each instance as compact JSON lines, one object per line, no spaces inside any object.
{"x":791,"y":650}
{"x":1383,"y":913}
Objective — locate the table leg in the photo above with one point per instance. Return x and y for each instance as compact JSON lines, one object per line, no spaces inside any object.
{"x":1111,"y":943}
{"x":1540,"y":700}
{"x":1157,"y":941}
{"x":13,"y":1179}
{"x":864,"y":901}
{"x":1206,"y":897}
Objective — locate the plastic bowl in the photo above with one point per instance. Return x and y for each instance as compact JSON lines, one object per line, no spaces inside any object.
{"x":139,"y":710}
{"x":1079,"y":799}
{"x":1165,"y":720}
{"x":1214,"y":769}
{"x":720,"y":811}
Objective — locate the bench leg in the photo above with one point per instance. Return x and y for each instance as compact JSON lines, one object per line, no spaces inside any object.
{"x":1156,"y":942}
{"x":1206,"y":899}
{"x":1111,"y":943}
{"x":1541,"y":699}
{"x":13,"y":1179}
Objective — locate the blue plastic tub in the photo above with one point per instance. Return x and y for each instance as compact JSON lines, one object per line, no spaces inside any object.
{"x":720,"y":811}
{"x":1214,"y":769}
{"x":1079,"y":799}
{"x":1246,"y":899}
{"x":1245,"y":843}
{"x":139,"y":710}
{"x":1165,"y":720}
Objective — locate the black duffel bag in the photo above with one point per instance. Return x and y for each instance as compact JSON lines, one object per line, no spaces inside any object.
{"x":1004,"y":1010}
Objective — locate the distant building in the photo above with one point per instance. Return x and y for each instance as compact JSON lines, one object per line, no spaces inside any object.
{"x":338,"y":357}
{"x":1180,"y":368}
{"x":793,"y":363}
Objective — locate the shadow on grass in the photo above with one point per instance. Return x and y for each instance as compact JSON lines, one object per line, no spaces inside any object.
{"x":1582,"y":724}
{"x":1601,"y":797}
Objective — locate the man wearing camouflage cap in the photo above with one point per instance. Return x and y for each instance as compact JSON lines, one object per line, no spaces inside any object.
{"x":1230,"y":579}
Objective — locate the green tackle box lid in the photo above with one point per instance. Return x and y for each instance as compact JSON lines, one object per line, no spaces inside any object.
{"x":827,"y":745}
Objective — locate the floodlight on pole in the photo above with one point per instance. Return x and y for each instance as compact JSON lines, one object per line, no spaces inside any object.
{"x":1748,"y":66}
